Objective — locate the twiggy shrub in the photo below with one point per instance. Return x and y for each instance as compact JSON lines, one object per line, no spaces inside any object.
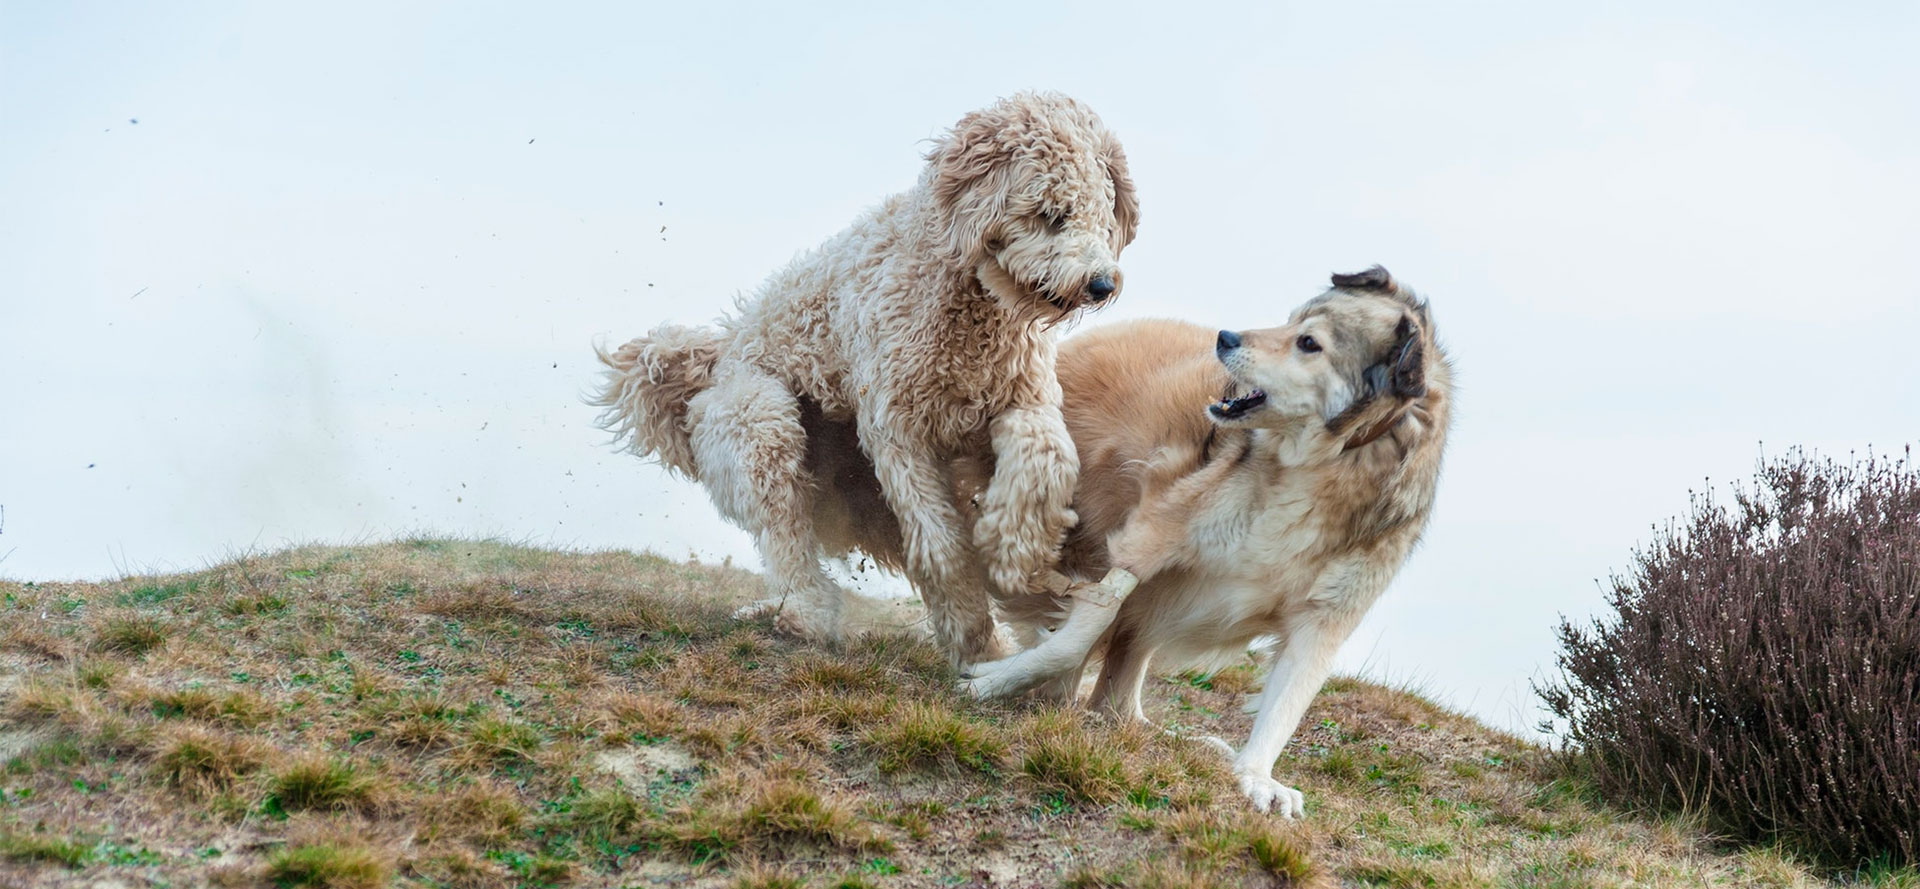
{"x":1762,"y":664}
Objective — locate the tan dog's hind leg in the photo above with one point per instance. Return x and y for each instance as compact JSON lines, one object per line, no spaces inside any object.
{"x":1094,"y":608}
{"x":751,"y":452}
{"x":1122,"y":671}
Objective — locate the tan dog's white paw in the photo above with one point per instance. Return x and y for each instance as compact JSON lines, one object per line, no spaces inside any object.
{"x":987,"y":680}
{"x":1267,"y":794}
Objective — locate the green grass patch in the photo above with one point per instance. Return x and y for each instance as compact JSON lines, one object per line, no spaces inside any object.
{"x":934,"y":737}
{"x":154,"y":594}
{"x":329,"y":865}
{"x":325,"y":783}
{"x":131,"y":635}
{"x":23,"y":846}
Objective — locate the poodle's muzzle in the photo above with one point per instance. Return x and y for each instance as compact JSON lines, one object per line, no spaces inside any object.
{"x":1095,"y":293}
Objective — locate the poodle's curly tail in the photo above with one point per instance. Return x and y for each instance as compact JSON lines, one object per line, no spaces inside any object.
{"x":644,"y":392}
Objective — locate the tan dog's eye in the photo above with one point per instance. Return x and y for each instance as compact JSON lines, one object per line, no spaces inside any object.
{"x":1307,"y":344}
{"x":1055,"y":221}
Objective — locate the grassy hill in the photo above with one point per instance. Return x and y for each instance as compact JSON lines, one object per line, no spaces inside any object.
{"x":459,"y":713}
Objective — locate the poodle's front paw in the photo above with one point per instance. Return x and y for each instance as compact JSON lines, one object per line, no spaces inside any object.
{"x":792,"y":618}
{"x":760,"y":609}
{"x":1061,"y":519}
{"x":1267,"y":794}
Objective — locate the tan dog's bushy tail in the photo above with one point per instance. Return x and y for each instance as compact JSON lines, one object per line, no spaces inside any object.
{"x":645,"y":390}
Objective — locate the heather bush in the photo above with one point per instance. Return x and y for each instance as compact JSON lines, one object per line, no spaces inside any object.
{"x":1762,"y":664}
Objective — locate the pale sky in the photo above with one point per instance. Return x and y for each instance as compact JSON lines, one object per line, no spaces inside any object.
{"x":339,"y":281}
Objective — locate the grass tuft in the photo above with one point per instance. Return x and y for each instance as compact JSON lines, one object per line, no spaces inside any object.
{"x":768,"y":815}
{"x":329,"y":865}
{"x":322,"y":782}
{"x":18,"y":846}
{"x":1068,"y":761}
{"x":205,"y":761}
{"x":130,"y":635}
{"x":761,"y":877}
{"x":931,"y":736}
{"x":1278,"y":855}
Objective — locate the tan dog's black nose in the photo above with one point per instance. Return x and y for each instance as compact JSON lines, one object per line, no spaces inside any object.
{"x":1228,"y":342}
{"x":1100,"y":288}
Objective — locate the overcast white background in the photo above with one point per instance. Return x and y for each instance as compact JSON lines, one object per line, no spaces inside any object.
{"x":339,"y":281}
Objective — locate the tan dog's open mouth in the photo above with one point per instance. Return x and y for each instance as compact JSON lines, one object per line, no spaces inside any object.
{"x":1235,"y":408}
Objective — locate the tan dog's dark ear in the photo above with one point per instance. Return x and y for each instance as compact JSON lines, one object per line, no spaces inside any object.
{"x":1374,"y":280}
{"x":1403,"y":371}
{"x":1409,"y":360}
{"x":1126,"y":204}
{"x":970,"y":169}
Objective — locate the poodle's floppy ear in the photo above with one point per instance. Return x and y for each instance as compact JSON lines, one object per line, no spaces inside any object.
{"x":1126,"y":205}
{"x":971,"y":170}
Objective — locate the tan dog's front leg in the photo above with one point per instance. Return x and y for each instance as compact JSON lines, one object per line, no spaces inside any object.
{"x":1027,"y":507}
{"x":1298,"y":670}
{"x":1094,"y":607}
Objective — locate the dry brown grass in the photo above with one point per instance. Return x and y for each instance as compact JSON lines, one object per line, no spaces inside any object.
{"x":472,"y":714}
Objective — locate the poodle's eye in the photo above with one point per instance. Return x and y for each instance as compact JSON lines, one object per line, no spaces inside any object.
{"x":1307,"y":343}
{"x":1055,"y":221}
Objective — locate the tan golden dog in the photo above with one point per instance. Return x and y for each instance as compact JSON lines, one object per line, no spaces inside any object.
{"x":923,"y":331}
{"x":1233,"y":486}
{"x":1280,"y":509}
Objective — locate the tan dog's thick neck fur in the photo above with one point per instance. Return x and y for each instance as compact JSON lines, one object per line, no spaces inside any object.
{"x":923,"y":330}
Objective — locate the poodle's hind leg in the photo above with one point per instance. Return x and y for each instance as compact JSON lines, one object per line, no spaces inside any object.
{"x":751,"y":449}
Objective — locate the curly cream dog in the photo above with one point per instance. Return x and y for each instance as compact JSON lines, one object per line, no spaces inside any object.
{"x":924,"y":330}
{"x":1281,"y":509}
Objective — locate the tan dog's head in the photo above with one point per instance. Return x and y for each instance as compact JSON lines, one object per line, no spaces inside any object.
{"x":1033,"y":194}
{"x":1351,"y":358}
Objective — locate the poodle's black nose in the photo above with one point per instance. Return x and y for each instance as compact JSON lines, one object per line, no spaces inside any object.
{"x":1228,"y":342}
{"x":1100,"y":288}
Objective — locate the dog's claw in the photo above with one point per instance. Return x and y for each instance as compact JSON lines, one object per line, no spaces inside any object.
{"x":1267,"y":794}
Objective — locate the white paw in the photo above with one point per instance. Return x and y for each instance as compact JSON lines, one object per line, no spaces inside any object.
{"x":986,"y":680}
{"x":1270,"y":795}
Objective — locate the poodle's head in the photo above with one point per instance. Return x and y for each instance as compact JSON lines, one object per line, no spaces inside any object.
{"x":1032,"y":194}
